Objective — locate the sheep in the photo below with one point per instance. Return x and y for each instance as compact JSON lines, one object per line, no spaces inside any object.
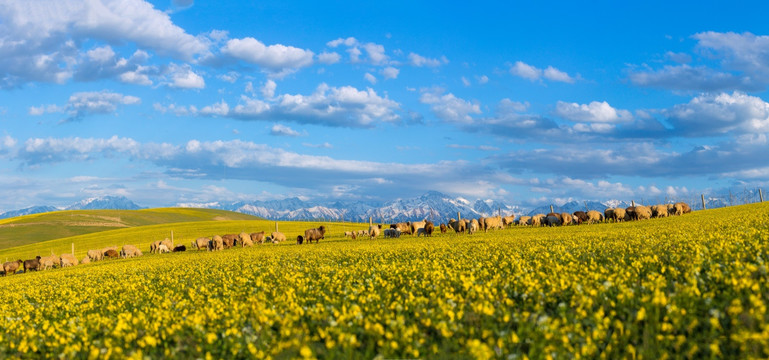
{"x":113,"y":254}
{"x":403,"y":227}
{"x":311,"y":235}
{"x":576,"y":220}
{"x":348,"y":234}
{"x":538,"y":220}
{"x":374,"y":231}
{"x":86,"y":260}
{"x":421,"y":232}
{"x":619,"y":214}
{"x":429,"y":228}
{"x":581,"y":215}
{"x":553,"y":220}
{"x":217,"y":243}
{"x":671,"y":209}
{"x":180,"y":248}
{"x":257,"y":237}
{"x":246,"y":243}
{"x":415,"y":226}
{"x":443,"y":228}
{"x":494,"y":222}
{"x":594,"y":217}
{"x":229,"y":240}
{"x":49,"y":262}
{"x":200,"y":243}
{"x":299,"y":239}
{"x":11,"y":267}
{"x":508,"y":221}
{"x":660,"y":211}
{"x":458,"y":226}
{"x":154,"y":246}
{"x":524,"y":220}
{"x":278,"y":236}
{"x":643,"y":212}
{"x":33,"y":264}
{"x":387,"y":233}
{"x":681,"y":208}
{"x":475,"y":225}
{"x":608,"y":214}
{"x":130,"y":251}
{"x":566,"y":218}
{"x":95,"y":255}
{"x":243,"y":236}
{"x":630,"y":213}
{"x":362,"y":233}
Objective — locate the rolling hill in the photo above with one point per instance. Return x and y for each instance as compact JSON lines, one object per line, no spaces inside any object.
{"x":37,"y":228}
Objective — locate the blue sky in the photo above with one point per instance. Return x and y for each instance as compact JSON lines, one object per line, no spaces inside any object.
{"x":170,"y":102}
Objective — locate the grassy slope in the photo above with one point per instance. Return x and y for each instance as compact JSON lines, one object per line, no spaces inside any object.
{"x":36,"y":228}
{"x":183,"y":232}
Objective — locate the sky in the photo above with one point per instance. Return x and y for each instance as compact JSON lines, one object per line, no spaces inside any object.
{"x":171,"y":102}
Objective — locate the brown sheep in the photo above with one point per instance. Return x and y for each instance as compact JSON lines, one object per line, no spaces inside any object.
{"x":581,"y":215}
{"x":566,"y":218}
{"x":508,"y":221}
{"x":403,"y":227}
{"x":681,"y":208}
{"x":443,"y":228}
{"x":229,"y":240}
{"x":217,"y":243}
{"x":458,"y":226}
{"x":257,"y":237}
{"x":95,"y":255}
{"x":201,"y":243}
{"x":68,"y":260}
{"x":608,"y":214}
{"x":429,"y":228}
{"x":524,"y":220}
{"x":130,"y":251}
{"x":537,"y":220}
{"x":660,"y":211}
{"x":299,"y":239}
{"x":11,"y":267}
{"x":278,"y":236}
{"x":33,"y":264}
{"x":494,"y":222}
{"x":630,"y":213}
{"x":311,"y":235}
{"x":86,"y":260}
{"x":180,"y":248}
{"x":112,"y":254}
{"x":643,"y":212}
{"x":415,"y":226}
{"x":619,"y":214}
{"x":594,"y":217}
{"x":243,"y":236}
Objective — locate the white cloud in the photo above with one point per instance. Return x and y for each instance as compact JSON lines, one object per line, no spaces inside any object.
{"x":449,"y":107}
{"x":532,"y":73}
{"x":182,"y":77}
{"x":390,"y":73}
{"x":329,"y":58}
{"x":83,"y":104}
{"x":219,"y":109}
{"x":376,"y":53}
{"x":482,"y":79}
{"x":230,"y":77}
{"x":420,"y":61}
{"x":718,"y":114}
{"x":465,"y":82}
{"x":370,"y":78}
{"x":350,"y":41}
{"x":276,"y":58}
{"x":324,"y":145}
{"x":268,"y":89}
{"x":355,"y":54}
{"x":595,"y":112}
{"x":282,"y":130}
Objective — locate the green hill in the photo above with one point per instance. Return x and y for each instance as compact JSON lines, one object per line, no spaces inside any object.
{"x":37,"y":228}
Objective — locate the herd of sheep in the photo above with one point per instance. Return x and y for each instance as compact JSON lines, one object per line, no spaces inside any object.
{"x":416,"y":228}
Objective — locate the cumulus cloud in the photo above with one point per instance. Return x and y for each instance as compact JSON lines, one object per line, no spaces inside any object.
{"x":51,"y":150}
{"x":420,"y":61}
{"x":533,"y":73}
{"x":390,"y":73}
{"x":686,"y":77}
{"x":183,"y":77}
{"x":375,"y":52}
{"x":83,"y":104}
{"x":370,"y":78}
{"x":329,"y":58}
{"x":268,"y":89}
{"x":40,"y":40}
{"x":719,"y":114}
{"x":277,"y":59}
{"x":324,"y":145}
{"x":283,"y":130}
{"x":450,"y":108}
{"x":594,"y":112}
{"x":343,"y":106}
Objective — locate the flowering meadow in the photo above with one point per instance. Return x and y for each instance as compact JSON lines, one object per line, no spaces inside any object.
{"x":692,"y":286}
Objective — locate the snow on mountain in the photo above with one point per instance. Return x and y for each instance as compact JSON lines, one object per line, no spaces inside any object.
{"x":27,"y":211}
{"x":105,"y":202}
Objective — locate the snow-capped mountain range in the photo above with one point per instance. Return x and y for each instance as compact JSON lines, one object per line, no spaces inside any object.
{"x":432,"y":205}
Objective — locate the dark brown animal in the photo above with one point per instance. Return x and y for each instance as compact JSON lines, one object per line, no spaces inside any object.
{"x":315,"y":234}
{"x":299,"y":239}
{"x":257,"y":238}
{"x":429,"y":228}
{"x":112,"y":254}
{"x":630,"y":213}
{"x":581,"y":215}
{"x":229,"y":240}
{"x":32,"y":264}
{"x":180,"y":248}
{"x":443,"y":228}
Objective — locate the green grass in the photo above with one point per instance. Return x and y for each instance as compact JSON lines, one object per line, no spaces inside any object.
{"x":183,"y":234}
{"x":36,"y":228}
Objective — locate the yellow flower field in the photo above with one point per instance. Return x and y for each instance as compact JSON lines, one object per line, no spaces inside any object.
{"x":693,"y":286}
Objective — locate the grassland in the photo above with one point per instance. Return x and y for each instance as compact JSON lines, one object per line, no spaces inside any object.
{"x":694,"y":286}
{"x":36,"y":228}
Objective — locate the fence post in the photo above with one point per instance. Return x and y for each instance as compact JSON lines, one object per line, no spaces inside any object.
{"x":760,"y":194}
{"x":586,"y":209}
{"x":459,"y":216}
{"x":276,"y":226}
{"x":73,"y":249}
{"x":172,"y":236}
{"x":551,"y":208}
{"x":703,"y":201}
{"x":369,"y":221}
{"x":632,"y":203}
